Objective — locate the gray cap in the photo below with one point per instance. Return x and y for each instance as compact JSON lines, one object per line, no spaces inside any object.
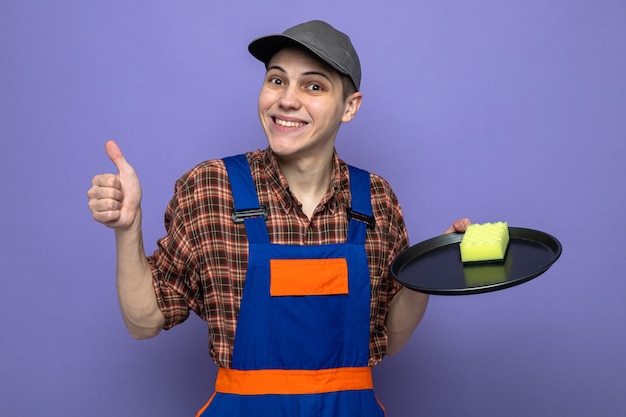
{"x":323,"y":40}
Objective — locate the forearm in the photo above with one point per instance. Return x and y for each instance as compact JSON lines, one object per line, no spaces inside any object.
{"x":135,"y":291}
{"x":405,"y":313}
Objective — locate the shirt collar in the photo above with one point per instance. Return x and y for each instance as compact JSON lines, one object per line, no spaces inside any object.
{"x":336,"y":197}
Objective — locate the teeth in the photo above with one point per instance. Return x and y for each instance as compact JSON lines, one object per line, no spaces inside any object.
{"x":286,"y":123}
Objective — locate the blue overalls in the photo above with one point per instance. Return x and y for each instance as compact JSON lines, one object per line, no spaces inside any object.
{"x":302,"y":338}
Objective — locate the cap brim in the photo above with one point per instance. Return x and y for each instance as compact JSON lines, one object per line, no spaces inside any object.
{"x":264,"y":48}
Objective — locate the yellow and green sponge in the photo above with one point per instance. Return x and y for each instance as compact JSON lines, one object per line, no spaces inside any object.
{"x":485,"y":242}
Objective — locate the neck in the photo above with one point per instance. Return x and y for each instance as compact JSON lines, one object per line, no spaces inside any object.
{"x":308,"y":180}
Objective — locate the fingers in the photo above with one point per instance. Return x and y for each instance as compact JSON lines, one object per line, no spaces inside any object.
{"x":115,"y":199}
{"x":105,"y":198}
{"x":106,"y":181}
{"x":461,"y":224}
{"x":106,"y":187}
{"x":458,"y":226}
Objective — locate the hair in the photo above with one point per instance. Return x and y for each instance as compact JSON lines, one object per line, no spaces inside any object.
{"x":348,"y":86}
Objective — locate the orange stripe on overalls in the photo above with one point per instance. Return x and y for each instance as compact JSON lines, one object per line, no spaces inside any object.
{"x":292,"y":381}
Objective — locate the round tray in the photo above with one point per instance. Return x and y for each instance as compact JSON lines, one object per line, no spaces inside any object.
{"x":434,"y":266}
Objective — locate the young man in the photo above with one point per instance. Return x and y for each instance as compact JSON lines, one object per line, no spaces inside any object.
{"x":284,"y":252}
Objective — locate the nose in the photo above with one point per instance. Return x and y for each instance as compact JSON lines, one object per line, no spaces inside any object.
{"x":290,"y":97}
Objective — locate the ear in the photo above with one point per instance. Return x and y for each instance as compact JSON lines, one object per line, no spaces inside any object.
{"x":353,"y":103}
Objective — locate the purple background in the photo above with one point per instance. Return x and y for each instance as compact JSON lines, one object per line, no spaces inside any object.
{"x":497,"y":110}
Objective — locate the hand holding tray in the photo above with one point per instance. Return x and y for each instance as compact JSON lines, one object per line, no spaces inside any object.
{"x":434,"y":266}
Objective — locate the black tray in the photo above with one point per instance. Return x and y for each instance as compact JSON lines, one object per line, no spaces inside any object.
{"x":434,"y":266}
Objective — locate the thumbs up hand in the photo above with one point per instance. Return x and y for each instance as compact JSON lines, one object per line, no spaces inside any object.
{"x":115,"y":199}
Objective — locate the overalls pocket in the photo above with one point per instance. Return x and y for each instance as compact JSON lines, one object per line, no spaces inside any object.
{"x":307,"y":312}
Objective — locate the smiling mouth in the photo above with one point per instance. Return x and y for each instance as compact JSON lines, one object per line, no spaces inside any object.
{"x":287,"y":123}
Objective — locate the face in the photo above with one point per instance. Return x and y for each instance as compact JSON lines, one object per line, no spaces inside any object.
{"x":301,"y":106}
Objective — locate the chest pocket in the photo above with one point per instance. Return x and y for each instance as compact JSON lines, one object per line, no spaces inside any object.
{"x":302,"y":277}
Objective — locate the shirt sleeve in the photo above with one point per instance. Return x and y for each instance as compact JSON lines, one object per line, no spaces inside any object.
{"x":387,"y":241}
{"x":399,"y":243}
{"x":394,"y":236}
{"x":175,"y":283}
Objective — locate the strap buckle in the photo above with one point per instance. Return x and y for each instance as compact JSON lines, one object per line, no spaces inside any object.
{"x":368,"y":220}
{"x":240,"y":215}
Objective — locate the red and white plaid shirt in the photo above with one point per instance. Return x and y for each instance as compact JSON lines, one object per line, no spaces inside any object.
{"x":201,"y":263}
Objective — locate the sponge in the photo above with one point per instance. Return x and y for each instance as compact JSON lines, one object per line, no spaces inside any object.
{"x":484,"y":242}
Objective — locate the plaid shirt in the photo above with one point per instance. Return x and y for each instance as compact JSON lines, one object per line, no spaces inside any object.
{"x":201,"y":263}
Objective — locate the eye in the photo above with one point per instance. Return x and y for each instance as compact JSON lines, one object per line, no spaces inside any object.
{"x":314,"y":87}
{"x":275,"y":81}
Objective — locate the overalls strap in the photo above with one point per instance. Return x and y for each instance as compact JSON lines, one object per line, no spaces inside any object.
{"x":360,"y":212}
{"x":247,"y":208}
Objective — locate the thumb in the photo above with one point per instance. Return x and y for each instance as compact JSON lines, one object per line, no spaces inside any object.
{"x":116,"y":156}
